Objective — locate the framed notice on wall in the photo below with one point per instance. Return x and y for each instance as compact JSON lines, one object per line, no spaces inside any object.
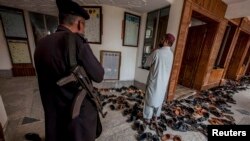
{"x":111,"y":61}
{"x":19,"y":51}
{"x":13,"y":23}
{"x":93,"y":30}
{"x":131,"y":29}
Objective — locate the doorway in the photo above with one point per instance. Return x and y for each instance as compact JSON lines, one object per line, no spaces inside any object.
{"x":192,"y":53}
{"x":236,"y":67}
{"x":198,"y":46}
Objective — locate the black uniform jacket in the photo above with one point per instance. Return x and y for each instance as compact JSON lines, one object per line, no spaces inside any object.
{"x":52,"y":63}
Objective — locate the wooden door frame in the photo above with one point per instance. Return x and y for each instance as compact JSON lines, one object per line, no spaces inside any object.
{"x":234,"y":74}
{"x":235,"y":22}
{"x":187,"y":11}
{"x":238,"y":76}
{"x":243,"y":25}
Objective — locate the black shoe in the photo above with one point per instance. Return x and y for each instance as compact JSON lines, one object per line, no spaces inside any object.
{"x":142,"y":128}
{"x":125,"y":112}
{"x":136,"y":125}
{"x":112,"y":107}
{"x":155,"y":138}
{"x":144,"y":136}
{"x":163,"y":126}
{"x":32,"y":137}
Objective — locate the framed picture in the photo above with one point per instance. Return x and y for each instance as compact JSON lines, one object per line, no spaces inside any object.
{"x":93,"y":30}
{"x":111,"y":62}
{"x":19,"y":51}
{"x":13,"y":23}
{"x":131,"y":29}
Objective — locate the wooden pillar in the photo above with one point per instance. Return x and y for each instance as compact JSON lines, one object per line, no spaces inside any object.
{"x":180,"y":45}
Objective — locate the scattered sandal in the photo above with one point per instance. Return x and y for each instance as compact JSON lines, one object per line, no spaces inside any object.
{"x":167,"y":137}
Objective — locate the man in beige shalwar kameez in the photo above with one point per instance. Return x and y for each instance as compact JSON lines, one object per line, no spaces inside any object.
{"x":160,"y":62}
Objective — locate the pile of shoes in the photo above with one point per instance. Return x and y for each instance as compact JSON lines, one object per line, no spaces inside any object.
{"x":190,"y":114}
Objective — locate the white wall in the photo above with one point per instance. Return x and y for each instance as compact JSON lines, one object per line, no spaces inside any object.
{"x":173,"y":27}
{"x":5,"y":63}
{"x":238,"y":10}
{"x":141,"y":74}
{"x":111,"y":40}
{"x":174,"y":18}
{"x":3,"y":115}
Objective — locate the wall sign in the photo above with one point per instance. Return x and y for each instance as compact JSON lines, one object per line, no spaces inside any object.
{"x":131,"y":29}
{"x":111,"y":61}
{"x":93,"y":30}
{"x":19,"y":51}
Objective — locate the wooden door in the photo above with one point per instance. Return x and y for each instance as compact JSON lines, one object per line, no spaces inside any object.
{"x":192,"y":53}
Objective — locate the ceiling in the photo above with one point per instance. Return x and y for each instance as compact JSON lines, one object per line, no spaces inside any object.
{"x":236,"y":8}
{"x":49,"y":6}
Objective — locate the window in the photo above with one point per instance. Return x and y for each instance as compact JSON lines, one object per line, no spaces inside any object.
{"x":42,"y":25}
{"x":156,"y":27}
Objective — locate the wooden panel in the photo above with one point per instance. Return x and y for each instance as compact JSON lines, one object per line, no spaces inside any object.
{"x":204,"y":60}
{"x":236,"y":21}
{"x":216,"y":75}
{"x":220,"y":9}
{"x":23,"y":70}
{"x":241,"y":70}
{"x":210,"y":85}
{"x":245,"y":25}
{"x":215,"y":7}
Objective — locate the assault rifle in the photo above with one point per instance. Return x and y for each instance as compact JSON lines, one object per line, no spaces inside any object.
{"x":79,"y":75}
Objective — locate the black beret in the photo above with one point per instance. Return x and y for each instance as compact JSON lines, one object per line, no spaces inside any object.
{"x":70,"y":7}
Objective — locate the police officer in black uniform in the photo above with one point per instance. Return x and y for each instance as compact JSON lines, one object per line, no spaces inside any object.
{"x":52,"y":63}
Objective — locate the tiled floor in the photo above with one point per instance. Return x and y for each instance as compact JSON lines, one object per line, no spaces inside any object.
{"x":25,"y":113}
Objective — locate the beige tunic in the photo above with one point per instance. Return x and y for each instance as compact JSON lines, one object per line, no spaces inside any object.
{"x":161,"y":61}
